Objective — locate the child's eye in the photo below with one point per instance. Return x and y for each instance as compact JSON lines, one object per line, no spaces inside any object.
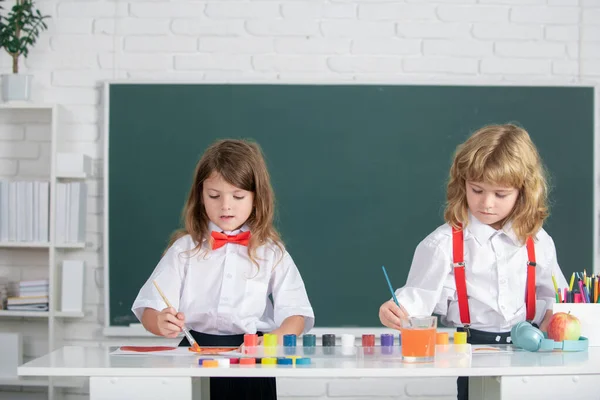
{"x":239,"y":197}
{"x":213,"y":196}
{"x":500,"y":196}
{"x":476,"y":191}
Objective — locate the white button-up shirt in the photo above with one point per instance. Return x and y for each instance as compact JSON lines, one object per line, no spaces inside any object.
{"x":496,"y":275}
{"x":222,"y":292}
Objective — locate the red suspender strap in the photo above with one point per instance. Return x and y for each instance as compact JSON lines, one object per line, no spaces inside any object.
{"x":530,"y":291}
{"x":459,"y":275}
{"x":461,"y":281}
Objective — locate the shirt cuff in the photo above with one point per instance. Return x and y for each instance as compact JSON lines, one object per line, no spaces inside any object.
{"x":404,"y":301}
{"x":541,"y":306}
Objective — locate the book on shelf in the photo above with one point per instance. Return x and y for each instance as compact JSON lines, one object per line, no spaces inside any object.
{"x":71,"y":297}
{"x":28,"y":307}
{"x":26,"y":300}
{"x":29,"y":288}
{"x":30,"y":291}
{"x":24,"y":211}
{"x":36,"y":282}
{"x":71,"y":208}
{"x":28,"y":295}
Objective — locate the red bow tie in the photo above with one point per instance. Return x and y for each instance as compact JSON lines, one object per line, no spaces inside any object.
{"x":221,"y":239}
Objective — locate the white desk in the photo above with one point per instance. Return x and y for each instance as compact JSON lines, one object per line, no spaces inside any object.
{"x":494,"y":376}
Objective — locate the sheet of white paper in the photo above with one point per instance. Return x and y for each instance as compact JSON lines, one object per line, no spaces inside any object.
{"x":176,"y":352}
{"x":491,"y":349}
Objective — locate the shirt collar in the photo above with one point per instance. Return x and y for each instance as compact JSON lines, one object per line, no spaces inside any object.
{"x":483,"y":232}
{"x":213,"y":227}
{"x":510,"y":232}
{"x":480,"y":231}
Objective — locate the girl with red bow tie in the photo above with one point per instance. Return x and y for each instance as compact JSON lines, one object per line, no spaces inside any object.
{"x":490,"y":266}
{"x":221,"y":270}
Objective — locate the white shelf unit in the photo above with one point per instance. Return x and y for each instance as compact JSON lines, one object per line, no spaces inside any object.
{"x":39,"y":314}
{"x":27,"y":245}
{"x":27,"y":381}
{"x":56,"y":252}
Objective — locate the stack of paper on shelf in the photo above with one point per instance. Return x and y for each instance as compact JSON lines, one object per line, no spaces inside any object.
{"x":29,"y":296}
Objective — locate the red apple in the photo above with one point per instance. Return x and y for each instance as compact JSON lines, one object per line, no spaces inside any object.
{"x":564,"y":326}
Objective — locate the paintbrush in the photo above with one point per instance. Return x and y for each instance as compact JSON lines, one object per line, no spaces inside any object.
{"x":186,"y":332}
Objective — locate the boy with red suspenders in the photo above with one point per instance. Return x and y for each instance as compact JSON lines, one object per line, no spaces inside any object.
{"x":479,"y":271}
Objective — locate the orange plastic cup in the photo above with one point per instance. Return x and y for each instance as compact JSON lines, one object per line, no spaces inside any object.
{"x":418,"y":339}
{"x":441,"y":338}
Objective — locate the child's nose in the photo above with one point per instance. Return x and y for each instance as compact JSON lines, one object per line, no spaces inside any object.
{"x":225,"y":205}
{"x":488,"y":201}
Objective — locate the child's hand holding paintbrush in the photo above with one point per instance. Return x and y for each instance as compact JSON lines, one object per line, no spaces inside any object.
{"x":170,"y":322}
{"x":391,"y":313}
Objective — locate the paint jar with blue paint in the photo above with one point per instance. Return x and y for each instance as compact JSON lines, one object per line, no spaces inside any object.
{"x":289,"y":344}
{"x":309,"y":343}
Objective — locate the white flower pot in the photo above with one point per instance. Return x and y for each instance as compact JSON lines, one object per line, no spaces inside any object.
{"x":16,"y":87}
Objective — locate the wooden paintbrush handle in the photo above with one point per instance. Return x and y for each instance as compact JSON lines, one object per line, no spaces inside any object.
{"x":162,"y":295}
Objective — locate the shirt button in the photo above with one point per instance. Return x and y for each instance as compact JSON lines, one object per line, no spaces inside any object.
{"x":225,"y":298}
{"x":502,"y":281}
{"x":502,"y":307}
{"x":228,"y":276}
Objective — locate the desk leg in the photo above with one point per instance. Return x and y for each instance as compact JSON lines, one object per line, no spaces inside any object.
{"x":156,"y":388}
{"x":484,"y":388}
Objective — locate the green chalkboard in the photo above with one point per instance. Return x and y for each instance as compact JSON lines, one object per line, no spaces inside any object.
{"x":359,"y":173}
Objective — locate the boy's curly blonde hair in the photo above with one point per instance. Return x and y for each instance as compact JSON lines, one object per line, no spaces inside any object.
{"x":500,"y":155}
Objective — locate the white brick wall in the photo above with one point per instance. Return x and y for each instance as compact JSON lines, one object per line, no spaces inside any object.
{"x":445,"y":41}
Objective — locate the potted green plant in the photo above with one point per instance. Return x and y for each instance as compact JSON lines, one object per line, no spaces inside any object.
{"x":19,"y":30}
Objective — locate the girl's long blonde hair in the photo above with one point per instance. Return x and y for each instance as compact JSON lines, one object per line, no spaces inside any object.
{"x":500,"y":155}
{"x":241,"y":163}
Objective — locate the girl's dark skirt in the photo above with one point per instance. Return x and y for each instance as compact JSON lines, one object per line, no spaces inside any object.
{"x":233,"y":388}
